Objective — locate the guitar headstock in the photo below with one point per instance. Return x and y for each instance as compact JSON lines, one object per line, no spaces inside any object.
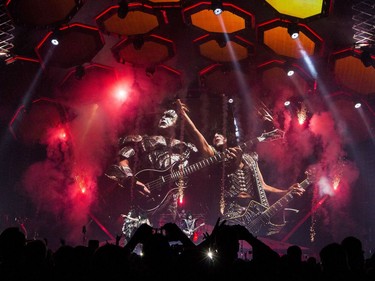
{"x":271,"y":136}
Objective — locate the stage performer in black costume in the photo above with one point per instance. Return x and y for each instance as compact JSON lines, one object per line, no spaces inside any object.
{"x":147,"y":155}
{"x":243,"y":183}
{"x":240,"y":179}
{"x":188,"y":225}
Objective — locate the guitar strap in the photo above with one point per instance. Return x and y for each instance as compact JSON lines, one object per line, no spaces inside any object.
{"x":250,"y":161}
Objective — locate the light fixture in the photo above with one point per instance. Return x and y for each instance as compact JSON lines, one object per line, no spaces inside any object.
{"x":358,"y":105}
{"x":55,"y":37}
{"x":289,"y":68}
{"x":79,"y":72}
{"x":293,"y":30}
{"x":150,"y":70}
{"x":217,"y":7}
{"x":138,"y":42}
{"x":123,"y":9}
{"x":366,"y":58}
{"x":287,"y":103}
{"x":221,"y":40}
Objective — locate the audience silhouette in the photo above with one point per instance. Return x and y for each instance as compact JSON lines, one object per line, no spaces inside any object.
{"x":168,"y":254}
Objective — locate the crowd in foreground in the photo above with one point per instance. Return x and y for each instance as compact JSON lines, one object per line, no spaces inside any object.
{"x":168,"y":254}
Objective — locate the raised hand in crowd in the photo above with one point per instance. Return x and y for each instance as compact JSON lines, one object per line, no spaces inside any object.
{"x":174,"y":233}
{"x":141,"y":235}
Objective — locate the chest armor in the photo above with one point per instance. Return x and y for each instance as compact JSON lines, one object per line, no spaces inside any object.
{"x":242,"y":180}
{"x":158,"y":152}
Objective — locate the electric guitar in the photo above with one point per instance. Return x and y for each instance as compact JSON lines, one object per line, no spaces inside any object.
{"x":164,"y":183}
{"x":256,"y":218}
{"x":190,"y":232}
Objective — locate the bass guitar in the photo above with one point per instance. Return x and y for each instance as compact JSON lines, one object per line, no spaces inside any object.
{"x":164,"y":183}
{"x":257,"y":218}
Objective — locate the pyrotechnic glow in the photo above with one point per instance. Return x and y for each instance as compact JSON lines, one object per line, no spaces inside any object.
{"x":312,"y":230}
{"x":336,"y":182}
{"x":302,"y":115}
{"x":82,"y":183}
{"x":58,"y":134}
{"x":325,"y":187}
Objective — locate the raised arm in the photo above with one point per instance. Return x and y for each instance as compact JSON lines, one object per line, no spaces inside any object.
{"x":197,"y":138}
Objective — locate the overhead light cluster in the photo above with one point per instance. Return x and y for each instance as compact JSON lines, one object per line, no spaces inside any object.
{"x":6,"y":36}
{"x":363,"y":22}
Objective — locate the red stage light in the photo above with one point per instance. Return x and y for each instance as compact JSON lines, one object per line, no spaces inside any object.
{"x":62,"y":135}
{"x":195,"y":237}
{"x":121,"y":95}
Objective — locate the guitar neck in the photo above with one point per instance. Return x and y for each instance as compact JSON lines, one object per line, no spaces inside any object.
{"x":250,"y":143}
{"x":217,"y":158}
{"x":283,"y":201}
{"x":197,"y":166}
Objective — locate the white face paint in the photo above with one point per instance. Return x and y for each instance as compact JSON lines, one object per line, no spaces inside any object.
{"x":219,"y":140}
{"x":169,"y":119}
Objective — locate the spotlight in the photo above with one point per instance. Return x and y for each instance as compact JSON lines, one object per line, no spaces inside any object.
{"x":230,"y":100}
{"x":287,"y":103}
{"x":55,"y":37}
{"x":217,"y":7}
{"x":293,"y":30}
{"x":80,"y":72}
{"x":210,"y":255}
{"x":358,"y":105}
{"x":289,"y":68}
{"x":138,"y":42}
{"x":123,"y":9}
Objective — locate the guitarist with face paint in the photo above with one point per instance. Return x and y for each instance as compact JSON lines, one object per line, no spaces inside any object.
{"x":243,"y":190}
{"x":189,"y":225}
{"x":151,"y":154}
{"x":244,"y":200}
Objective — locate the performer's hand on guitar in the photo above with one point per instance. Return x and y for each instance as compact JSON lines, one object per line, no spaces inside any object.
{"x":234,"y":156}
{"x":142,"y":188}
{"x":296,"y":189}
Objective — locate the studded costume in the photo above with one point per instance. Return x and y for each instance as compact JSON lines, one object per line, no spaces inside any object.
{"x":149,"y":152}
